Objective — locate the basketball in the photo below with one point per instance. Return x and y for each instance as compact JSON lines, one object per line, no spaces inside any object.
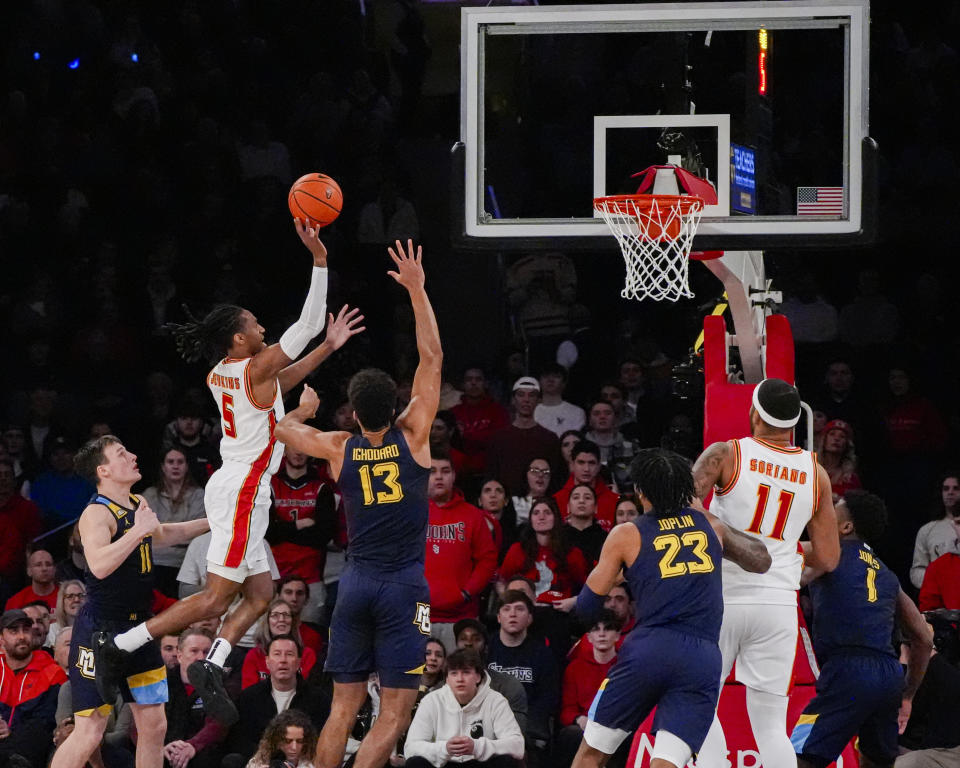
{"x":316,"y":199}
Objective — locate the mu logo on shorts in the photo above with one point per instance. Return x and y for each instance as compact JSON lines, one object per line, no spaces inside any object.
{"x":85,"y":663}
{"x":422,"y":619}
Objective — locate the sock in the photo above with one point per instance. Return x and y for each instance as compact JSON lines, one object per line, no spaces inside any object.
{"x":219,"y":652}
{"x":133,"y":638}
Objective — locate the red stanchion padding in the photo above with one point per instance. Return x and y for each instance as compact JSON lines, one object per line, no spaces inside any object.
{"x":779,"y":357}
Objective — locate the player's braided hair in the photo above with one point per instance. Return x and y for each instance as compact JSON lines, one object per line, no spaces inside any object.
{"x":665,"y":478}
{"x":209,"y":339}
{"x":868,"y":512}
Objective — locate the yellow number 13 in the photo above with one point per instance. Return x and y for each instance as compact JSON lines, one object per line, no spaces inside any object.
{"x":389,"y":472}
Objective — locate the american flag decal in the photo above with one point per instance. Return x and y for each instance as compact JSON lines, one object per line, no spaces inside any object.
{"x":819,"y":201}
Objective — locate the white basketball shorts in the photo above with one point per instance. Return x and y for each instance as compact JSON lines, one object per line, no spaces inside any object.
{"x":237,"y":500}
{"x":762,"y":640}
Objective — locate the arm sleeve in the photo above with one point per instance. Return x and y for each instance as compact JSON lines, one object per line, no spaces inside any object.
{"x":212,"y":733}
{"x":312,"y":318}
{"x":484,"y":557}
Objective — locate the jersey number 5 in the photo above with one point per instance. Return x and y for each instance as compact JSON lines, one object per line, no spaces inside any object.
{"x":388,"y":472}
{"x":673,"y":543}
{"x":229,"y":422}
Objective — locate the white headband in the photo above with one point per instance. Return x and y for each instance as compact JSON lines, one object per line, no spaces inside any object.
{"x":771,"y":420}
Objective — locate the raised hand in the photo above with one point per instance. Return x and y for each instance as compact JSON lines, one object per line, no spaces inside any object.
{"x":409,"y":272}
{"x":310,"y":237}
{"x":341,"y":328}
{"x":309,"y":400}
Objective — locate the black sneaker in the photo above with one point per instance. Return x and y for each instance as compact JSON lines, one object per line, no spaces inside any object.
{"x":109,"y":665}
{"x":207,"y":678}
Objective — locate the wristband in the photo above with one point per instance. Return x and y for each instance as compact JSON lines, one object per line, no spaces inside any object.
{"x":589,"y":605}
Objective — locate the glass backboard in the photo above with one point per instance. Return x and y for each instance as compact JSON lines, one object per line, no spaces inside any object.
{"x":767,"y":100}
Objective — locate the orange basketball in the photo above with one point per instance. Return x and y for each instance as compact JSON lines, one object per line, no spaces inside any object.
{"x":315,"y":199}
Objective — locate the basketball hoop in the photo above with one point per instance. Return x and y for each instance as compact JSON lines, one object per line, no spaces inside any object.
{"x":655,"y":233}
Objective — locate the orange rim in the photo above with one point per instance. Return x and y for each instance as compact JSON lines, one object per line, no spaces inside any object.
{"x":626,"y":205}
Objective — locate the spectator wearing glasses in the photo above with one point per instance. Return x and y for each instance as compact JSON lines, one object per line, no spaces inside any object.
{"x":538,"y":480}
{"x":70,"y":599}
{"x":278,"y":620}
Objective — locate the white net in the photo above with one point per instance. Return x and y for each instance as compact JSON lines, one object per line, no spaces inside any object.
{"x":655,"y":233}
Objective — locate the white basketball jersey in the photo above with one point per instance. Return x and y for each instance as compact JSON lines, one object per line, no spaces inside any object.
{"x":247,"y":425}
{"x":772,"y":494}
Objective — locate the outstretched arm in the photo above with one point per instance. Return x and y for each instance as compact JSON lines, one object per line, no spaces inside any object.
{"x":291,"y":430}
{"x":270,"y":361}
{"x":913,"y":625}
{"x":746,"y":551}
{"x":824,"y":554}
{"x":171,"y":534}
{"x":418,"y":416}
{"x":620,"y":548}
{"x":339,"y":330}
{"x":710,"y":468}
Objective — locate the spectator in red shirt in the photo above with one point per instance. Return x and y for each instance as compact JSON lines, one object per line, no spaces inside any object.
{"x":558,"y":571}
{"x":445,"y":438}
{"x":303,"y":520}
{"x":295,"y":592}
{"x":836,"y":455}
{"x":581,"y":680}
{"x":30,"y":682}
{"x":501,"y":516}
{"x":941,"y":584}
{"x":20,"y":523}
{"x":478,"y":416}
{"x":41,"y":571}
{"x":278,"y":620}
{"x":513,"y":447}
{"x":460,"y":559}
{"x":585,"y":469}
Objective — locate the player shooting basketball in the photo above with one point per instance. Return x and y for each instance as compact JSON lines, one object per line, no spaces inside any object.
{"x":248,"y":384}
{"x":381,"y":621}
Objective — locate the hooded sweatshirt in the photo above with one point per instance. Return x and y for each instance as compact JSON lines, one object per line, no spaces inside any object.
{"x":460,"y":556}
{"x":581,"y":680}
{"x":486,"y":718}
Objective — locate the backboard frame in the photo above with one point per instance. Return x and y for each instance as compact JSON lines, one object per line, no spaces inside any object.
{"x":473,"y":228}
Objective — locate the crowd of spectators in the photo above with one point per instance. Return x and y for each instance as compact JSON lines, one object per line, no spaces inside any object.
{"x":202,"y":114}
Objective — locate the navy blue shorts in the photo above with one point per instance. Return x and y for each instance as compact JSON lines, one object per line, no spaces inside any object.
{"x":675,"y":672}
{"x":145,"y":679}
{"x":378,"y":626}
{"x":856,"y":694}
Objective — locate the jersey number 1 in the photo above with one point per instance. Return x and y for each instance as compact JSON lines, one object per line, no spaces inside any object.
{"x":389,"y":471}
{"x":783,"y":512}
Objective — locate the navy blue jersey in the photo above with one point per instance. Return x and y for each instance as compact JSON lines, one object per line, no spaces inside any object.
{"x":854,"y":605}
{"x":127,"y":593}
{"x":385,"y":500}
{"x":676,"y":578}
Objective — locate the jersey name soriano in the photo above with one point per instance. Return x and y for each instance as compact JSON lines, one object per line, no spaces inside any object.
{"x":676,"y":578}
{"x":772,"y":495}
{"x":385,"y":502}
{"x":854,"y":606}
{"x":247,"y":425}
{"x":126,"y":594}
